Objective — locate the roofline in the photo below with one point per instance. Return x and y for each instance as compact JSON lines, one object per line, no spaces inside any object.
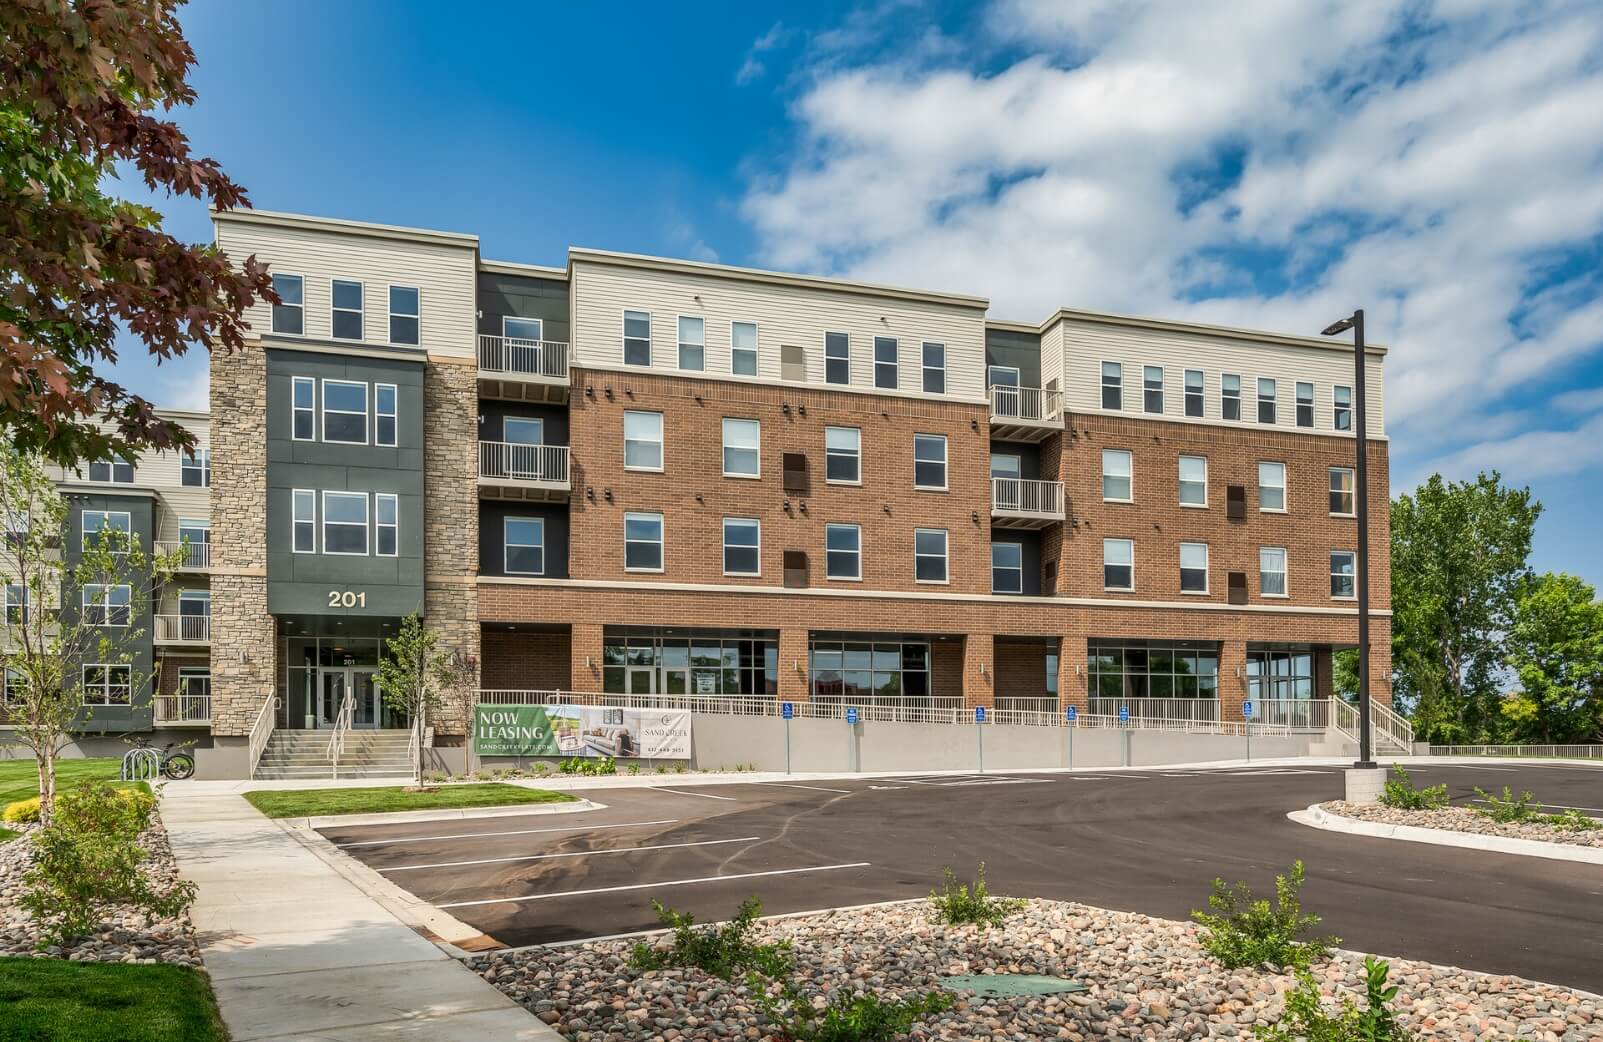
{"x":1013,"y":327}
{"x":543,"y":271}
{"x":1175,"y":326}
{"x":340,"y":226}
{"x":687,"y":267}
{"x":183,"y":414}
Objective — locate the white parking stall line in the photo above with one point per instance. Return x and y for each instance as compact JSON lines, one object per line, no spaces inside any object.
{"x":798,"y":785}
{"x":572,"y":853}
{"x":513,"y":832}
{"x":680,"y":792}
{"x":649,"y":886}
{"x":1477,"y":767}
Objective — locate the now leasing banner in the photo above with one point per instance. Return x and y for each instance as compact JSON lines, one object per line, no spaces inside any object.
{"x":569,"y":730}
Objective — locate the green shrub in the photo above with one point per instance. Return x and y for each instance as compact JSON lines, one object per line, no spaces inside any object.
{"x":22,"y":812}
{"x":722,"y":951}
{"x":1508,"y":808}
{"x":1572,"y":820}
{"x":956,"y":903}
{"x":542,"y":768}
{"x":1307,"y":1021}
{"x":662,"y":769}
{"x":1243,"y":931}
{"x":1400,"y":792}
{"x":847,"y":1017}
{"x":634,"y":769}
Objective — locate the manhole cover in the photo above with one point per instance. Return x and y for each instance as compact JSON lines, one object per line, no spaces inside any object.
{"x":1001,"y":985}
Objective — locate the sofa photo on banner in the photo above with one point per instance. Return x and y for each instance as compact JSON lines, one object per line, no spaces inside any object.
{"x":613,"y":740}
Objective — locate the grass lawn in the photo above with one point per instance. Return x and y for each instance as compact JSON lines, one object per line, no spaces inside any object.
{"x":59,"y":1001}
{"x":19,"y":779}
{"x":7,"y":835}
{"x":305,"y":803}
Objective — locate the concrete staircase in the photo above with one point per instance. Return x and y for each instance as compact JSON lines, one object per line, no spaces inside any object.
{"x":367,"y":754}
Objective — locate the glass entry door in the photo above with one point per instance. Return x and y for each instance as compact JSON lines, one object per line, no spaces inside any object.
{"x":642,"y":680}
{"x":332,"y":686}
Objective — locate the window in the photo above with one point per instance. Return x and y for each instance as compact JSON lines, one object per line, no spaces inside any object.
{"x":16,"y":687}
{"x":196,"y":537}
{"x":386,"y":524}
{"x":1272,"y":487}
{"x":1112,"y":385}
{"x":843,"y":552}
{"x":843,"y":455}
{"x":195,"y":682}
{"x":1007,"y":568}
{"x":636,"y":338}
{"x":1229,"y":396}
{"x":384,"y":415}
{"x":929,"y":555}
{"x":1266,"y":400}
{"x":404,"y":315}
{"x":1131,"y":669}
{"x":1193,"y":481}
{"x":885,"y":362}
{"x":741,"y":457}
{"x":642,"y":542}
{"x":837,"y":358}
{"x":1193,"y":392}
{"x":106,"y":605}
{"x":523,"y":539}
{"x":345,"y":523}
{"x":118,"y":470}
{"x":347,"y":310}
{"x":195,"y":469}
{"x":1305,"y":404}
{"x":929,"y":461}
{"x":934,"y":368}
{"x":1272,"y":571}
{"x":1152,"y":388}
{"x":1118,"y":564}
{"x":16,"y":606}
{"x":854,"y":671}
{"x":523,"y":430}
{"x":303,"y":409}
{"x":1343,"y":574}
{"x":1342,"y":408}
{"x":1002,"y":375}
{"x":1116,"y":484}
{"x":531,"y":330}
{"x":793,"y":363}
{"x":1342,"y":499}
{"x":116,"y":524}
{"x":1007,"y":465}
{"x":289,"y":314}
{"x":647,"y":659}
{"x":1193,"y":567}
{"x":1280,"y":675}
{"x":1052,"y":673}
{"x":742,"y":546}
{"x":345,"y":412}
{"x":303,"y":520}
{"x":107,"y":685}
{"x":692,"y":343}
{"x":743,"y":348}
{"x":642,"y":441}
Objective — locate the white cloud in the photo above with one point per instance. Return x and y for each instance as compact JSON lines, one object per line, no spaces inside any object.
{"x":753,"y":67}
{"x":1533,"y":454}
{"x":1589,"y":399}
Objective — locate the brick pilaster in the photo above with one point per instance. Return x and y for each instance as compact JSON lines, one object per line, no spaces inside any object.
{"x":979,"y":653}
{"x":586,"y":668}
{"x":794,"y":677}
{"x":451,"y":525}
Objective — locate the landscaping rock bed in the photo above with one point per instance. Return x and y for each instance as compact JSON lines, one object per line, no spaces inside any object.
{"x":126,"y":936}
{"x":1146,"y":979}
{"x":1463,"y":819}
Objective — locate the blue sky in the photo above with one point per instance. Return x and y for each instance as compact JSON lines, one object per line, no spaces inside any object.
{"x":1258,"y":163}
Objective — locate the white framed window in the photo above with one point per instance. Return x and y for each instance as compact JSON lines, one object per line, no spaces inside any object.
{"x":303,"y":408}
{"x":1118,"y":564}
{"x":106,"y":604}
{"x":843,"y":455}
{"x":637,"y":338}
{"x":934,"y":368}
{"x":837,"y":358}
{"x":523,"y":430}
{"x":195,"y":468}
{"x":1117,"y":486}
{"x":529,"y":329}
{"x":1343,"y":575}
{"x":16,"y":687}
{"x":742,"y":546}
{"x":642,"y":542}
{"x":1152,"y":388}
{"x":118,"y":523}
{"x":523,"y":545}
{"x":16,"y":604}
{"x":386,"y":524}
{"x":1266,"y":400}
{"x":195,"y":535}
{"x":843,"y":552}
{"x":642,"y":440}
{"x":347,"y":300}
{"x":1112,"y":385}
{"x":1007,"y":568}
{"x":303,"y":521}
{"x":1343,"y":500}
{"x":1194,"y":392}
{"x":1305,"y":404}
{"x":929,"y":555}
{"x":1272,"y":571}
{"x":743,"y":348}
{"x":885,"y":362}
{"x":114,"y":471}
{"x":1007,"y":465}
{"x":692,"y":342}
{"x":1193,"y":481}
{"x":1272,"y":488}
{"x":1193,"y":567}
{"x":1002,"y":376}
{"x":289,"y":315}
{"x":385,"y":415}
{"x":742,"y":448}
{"x":929,"y":461}
{"x":1341,"y":408}
{"x":345,"y":523}
{"x":108,"y":684}
{"x":345,"y":412}
{"x":405,"y":315}
{"x":1229,"y":396}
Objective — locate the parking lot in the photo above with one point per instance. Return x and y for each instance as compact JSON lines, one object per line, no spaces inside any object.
{"x":1146,"y":841}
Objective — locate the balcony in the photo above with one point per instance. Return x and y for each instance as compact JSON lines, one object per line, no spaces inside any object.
{"x":183,"y":629}
{"x":523,"y":370}
{"x":1023,"y":503}
{"x":183,"y":710}
{"x":197,"y":557}
{"x":527,"y":472}
{"x":1025,"y":413}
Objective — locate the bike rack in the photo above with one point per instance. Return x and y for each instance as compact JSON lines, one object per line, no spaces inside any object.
{"x":141,"y":765}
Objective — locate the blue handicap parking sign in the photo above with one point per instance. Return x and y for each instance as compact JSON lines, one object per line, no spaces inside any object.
{"x":1246,"y":710}
{"x":1124,"y":714}
{"x":787,"y":710}
{"x":1070,"y":712}
{"x":979,"y":714}
{"x":851,"y":715}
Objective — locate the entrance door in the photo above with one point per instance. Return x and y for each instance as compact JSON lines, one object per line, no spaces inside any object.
{"x":368,"y":711}
{"x":641,"y":680}
{"x":331,"y":692}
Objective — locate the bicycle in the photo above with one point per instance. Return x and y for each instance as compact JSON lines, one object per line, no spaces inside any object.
{"x":177,"y":766}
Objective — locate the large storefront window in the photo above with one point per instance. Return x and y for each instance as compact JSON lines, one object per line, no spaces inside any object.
{"x":1153,"y":669}
{"x":1280,"y":674}
{"x":864,"y":670}
{"x":690,"y":662}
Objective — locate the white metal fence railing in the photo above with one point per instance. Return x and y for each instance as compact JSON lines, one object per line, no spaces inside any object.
{"x":1388,"y":732}
{"x":510,"y":461}
{"x":1568,"y":752}
{"x":1025,"y":403}
{"x":260,"y":731}
{"x":197,"y":556}
{"x":183,"y":709}
{"x":183,"y":629}
{"x":1026,"y":496}
{"x":1299,"y":714}
{"x":509,"y":354}
{"x":1202,"y":710}
{"x":1391,"y":726}
{"x":1028,"y":703}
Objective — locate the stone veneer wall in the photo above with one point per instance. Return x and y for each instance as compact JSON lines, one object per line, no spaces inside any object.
{"x":451,"y":522}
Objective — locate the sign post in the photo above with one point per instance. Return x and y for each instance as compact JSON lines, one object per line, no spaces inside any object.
{"x":1071,"y":715}
{"x":979,"y":732}
{"x":1124,"y":725}
{"x":851,"y":738}
{"x":787,"y":710}
{"x":1246,"y":715}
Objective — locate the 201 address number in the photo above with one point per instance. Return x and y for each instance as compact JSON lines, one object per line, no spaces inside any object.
{"x":347,"y":598}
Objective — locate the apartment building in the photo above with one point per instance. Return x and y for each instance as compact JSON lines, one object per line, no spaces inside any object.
{"x":641,"y":475}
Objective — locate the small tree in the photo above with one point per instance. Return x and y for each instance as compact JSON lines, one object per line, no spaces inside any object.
{"x":414,"y":677}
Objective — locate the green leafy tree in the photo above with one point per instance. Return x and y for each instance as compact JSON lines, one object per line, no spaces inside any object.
{"x":1555,"y":648}
{"x":80,"y":85}
{"x":1459,"y":560}
{"x":414,"y":678}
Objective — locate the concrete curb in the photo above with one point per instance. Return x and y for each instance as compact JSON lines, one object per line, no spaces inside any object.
{"x":401,"y":817}
{"x":1319,"y":818}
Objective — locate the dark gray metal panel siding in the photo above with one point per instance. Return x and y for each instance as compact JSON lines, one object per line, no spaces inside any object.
{"x":492,"y":559}
{"x":1030,"y":540}
{"x":134,"y":645}
{"x":492,"y":412}
{"x":523,"y":297}
{"x":1022,"y":351}
{"x":1029,"y":456}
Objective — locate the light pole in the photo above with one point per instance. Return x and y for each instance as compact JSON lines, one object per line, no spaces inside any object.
{"x":1361,"y":474}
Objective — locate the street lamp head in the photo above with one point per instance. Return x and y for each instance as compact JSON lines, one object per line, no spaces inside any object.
{"x":1337,"y":327}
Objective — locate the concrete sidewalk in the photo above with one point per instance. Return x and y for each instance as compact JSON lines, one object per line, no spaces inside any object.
{"x":296,"y":951}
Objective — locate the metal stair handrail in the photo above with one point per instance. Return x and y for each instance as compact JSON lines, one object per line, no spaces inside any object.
{"x":260,"y":732}
{"x":342,"y":724}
